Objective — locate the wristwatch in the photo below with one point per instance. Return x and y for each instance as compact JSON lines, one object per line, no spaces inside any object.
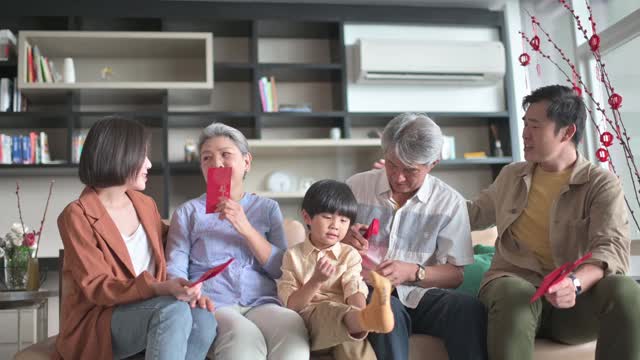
{"x":576,"y":283}
{"x":421,"y":273}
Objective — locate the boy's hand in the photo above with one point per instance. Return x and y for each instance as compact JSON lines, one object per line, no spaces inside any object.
{"x":323,"y":271}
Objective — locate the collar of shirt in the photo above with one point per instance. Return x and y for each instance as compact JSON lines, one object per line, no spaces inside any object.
{"x":384,"y":189}
{"x":580,"y":173}
{"x":308,"y":248}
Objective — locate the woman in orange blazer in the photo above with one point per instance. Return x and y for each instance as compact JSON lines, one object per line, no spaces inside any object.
{"x":117,"y":301}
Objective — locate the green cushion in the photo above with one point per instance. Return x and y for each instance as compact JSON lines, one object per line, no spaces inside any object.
{"x":473,"y":273}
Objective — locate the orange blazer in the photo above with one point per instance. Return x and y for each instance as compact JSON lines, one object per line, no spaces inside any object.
{"x":98,"y":273}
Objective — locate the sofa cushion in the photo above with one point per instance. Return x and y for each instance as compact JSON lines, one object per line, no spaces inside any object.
{"x":473,"y":273}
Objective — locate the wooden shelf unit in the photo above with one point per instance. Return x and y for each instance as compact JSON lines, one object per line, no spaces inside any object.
{"x":233,"y":45}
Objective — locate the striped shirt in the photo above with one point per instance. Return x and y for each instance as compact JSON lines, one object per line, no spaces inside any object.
{"x":431,"y":228}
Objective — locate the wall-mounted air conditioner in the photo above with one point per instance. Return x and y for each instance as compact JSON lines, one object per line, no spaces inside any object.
{"x":420,"y":61}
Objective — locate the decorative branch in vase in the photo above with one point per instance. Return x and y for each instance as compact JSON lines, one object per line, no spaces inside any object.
{"x":19,"y":248}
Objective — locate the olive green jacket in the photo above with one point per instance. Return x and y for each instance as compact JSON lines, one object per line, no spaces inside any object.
{"x":589,"y":215}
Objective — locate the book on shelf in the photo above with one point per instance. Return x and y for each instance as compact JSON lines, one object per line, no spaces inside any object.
{"x":274,"y":94}
{"x":299,"y":108}
{"x":5,"y":94}
{"x":36,"y":64}
{"x":76,"y":147}
{"x":11,"y":98}
{"x":263,"y":98}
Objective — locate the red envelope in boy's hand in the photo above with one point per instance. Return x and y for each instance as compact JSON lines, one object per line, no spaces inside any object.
{"x":212,"y":272}
{"x":218,"y":185}
{"x":556,"y":276}
{"x":372,"y":229}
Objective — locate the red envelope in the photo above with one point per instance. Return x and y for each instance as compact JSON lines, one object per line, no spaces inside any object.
{"x":212,"y":272}
{"x":373,"y":229}
{"x":218,"y":185}
{"x":556,"y":276}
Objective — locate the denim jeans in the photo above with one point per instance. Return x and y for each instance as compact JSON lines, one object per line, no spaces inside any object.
{"x":458,"y":319}
{"x":164,"y":327}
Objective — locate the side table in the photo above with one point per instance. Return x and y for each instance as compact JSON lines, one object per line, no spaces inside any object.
{"x":36,"y":300}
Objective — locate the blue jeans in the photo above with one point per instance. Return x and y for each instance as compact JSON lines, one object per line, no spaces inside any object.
{"x":166,"y":328}
{"x":458,"y":319}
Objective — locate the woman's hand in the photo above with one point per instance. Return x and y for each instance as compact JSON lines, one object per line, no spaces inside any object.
{"x":233,"y":212}
{"x":178,"y":288}
{"x":204,"y":302}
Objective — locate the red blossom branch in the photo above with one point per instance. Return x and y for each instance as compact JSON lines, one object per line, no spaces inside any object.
{"x":614,"y":101}
{"x":44,"y":216}
{"x":19,"y":208}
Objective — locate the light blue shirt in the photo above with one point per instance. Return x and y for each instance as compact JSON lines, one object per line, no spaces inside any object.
{"x":198,"y":241}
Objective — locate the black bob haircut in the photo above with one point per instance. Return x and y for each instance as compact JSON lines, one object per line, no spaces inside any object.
{"x":330,"y":196}
{"x":113,"y":152}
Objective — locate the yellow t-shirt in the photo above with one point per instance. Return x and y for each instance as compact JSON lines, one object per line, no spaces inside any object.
{"x":532,"y":227}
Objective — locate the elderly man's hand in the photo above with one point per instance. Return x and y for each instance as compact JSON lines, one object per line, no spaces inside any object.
{"x":398,"y":272}
{"x":355,"y":238}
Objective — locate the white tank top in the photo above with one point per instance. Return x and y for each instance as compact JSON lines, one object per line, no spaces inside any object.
{"x":140,"y":251}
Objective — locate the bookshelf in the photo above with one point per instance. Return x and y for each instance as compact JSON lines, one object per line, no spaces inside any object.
{"x":138,"y":60}
{"x":203,"y":63}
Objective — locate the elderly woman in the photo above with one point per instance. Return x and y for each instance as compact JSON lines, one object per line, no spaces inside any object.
{"x":252,"y":324}
{"x":423,"y":243}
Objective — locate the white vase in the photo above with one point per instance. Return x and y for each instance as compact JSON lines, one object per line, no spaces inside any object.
{"x":69,"y":71}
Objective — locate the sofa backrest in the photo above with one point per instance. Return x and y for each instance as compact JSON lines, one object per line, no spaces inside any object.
{"x":295,"y":233}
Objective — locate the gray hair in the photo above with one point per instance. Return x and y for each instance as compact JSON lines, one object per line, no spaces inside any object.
{"x":414,"y":138}
{"x":218,"y":129}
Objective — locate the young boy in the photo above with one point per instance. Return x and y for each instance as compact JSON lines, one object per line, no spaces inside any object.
{"x":321,"y":278}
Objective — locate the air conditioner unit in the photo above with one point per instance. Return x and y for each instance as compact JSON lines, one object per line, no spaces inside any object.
{"x":419,"y":61}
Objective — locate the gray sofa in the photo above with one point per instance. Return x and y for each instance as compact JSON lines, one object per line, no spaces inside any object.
{"x":419,"y":344}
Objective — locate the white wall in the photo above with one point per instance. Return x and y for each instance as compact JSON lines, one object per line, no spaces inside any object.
{"x":430,"y":98}
{"x":391,"y":98}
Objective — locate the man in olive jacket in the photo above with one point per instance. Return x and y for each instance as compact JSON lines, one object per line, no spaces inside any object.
{"x":551,"y":209}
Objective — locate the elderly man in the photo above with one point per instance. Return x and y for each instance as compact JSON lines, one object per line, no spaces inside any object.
{"x":423,"y":243}
{"x":550,"y":209}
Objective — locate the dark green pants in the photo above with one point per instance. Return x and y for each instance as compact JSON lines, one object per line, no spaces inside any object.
{"x":609,"y":312}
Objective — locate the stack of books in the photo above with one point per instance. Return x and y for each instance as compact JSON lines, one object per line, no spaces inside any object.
{"x":24,"y":149}
{"x":39,"y":69}
{"x":268,"y":94}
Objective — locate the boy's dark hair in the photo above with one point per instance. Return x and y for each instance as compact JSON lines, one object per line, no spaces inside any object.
{"x":565,"y":107}
{"x":113,"y":152}
{"x":330,"y":196}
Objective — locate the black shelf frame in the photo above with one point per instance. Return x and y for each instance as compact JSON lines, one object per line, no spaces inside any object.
{"x":253,"y":22}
